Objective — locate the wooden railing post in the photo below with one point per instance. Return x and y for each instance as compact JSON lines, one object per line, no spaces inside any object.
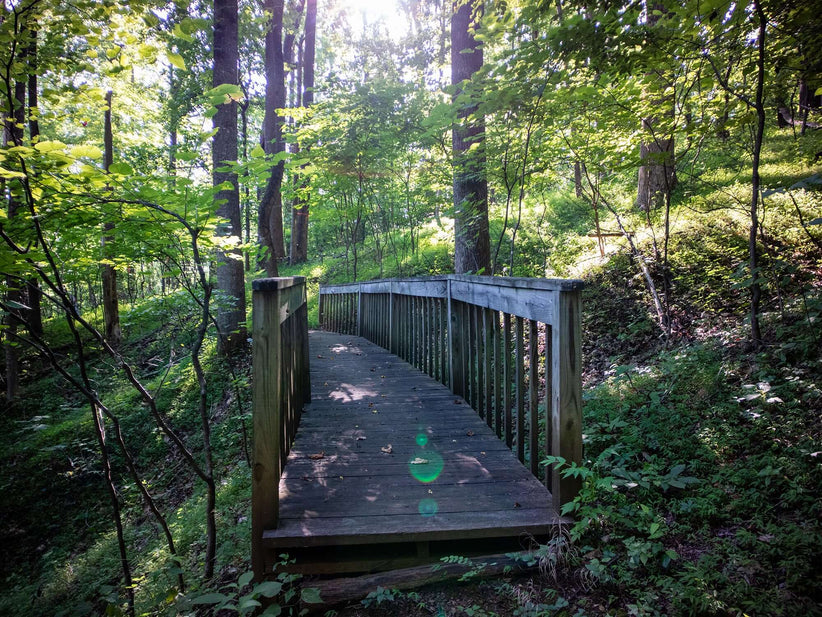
{"x":267,"y":415}
{"x":279,"y":352}
{"x":566,"y":391}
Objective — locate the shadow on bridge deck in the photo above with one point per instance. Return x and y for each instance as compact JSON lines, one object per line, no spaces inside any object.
{"x":389,"y":469}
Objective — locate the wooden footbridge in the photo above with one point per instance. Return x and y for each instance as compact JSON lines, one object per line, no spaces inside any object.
{"x":414,"y":425}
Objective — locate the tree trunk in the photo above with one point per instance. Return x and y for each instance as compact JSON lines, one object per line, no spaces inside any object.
{"x":33,"y":292}
{"x":271,"y":206}
{"x":230,"y":282}
{"x":656,"y":173}
{"x":13,"y":132}
{"x":299,"y":218}
{"x":111,"y":308}
{"x":472,"y":243}
{"x":656,"y":151}
{"x":759,"y":105}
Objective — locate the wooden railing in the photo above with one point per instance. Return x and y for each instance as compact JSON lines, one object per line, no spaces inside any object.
{"x":510,"y":346}
{"x":281,"y":386}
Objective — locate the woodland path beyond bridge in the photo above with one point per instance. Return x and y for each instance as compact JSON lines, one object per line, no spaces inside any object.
{"x":364,"y":461}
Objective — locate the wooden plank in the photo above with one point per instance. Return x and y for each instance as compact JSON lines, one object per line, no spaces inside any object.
{"x":527,"y":303}
{"x":343,"y":531}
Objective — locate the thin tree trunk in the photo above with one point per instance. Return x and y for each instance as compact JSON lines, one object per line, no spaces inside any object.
{"x":111,"y":308}
{"x":13,"y":132}
{"x":33,"y":293}
{"x":759,"y":105}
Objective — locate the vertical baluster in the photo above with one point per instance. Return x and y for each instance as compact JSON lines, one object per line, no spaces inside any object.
{"x":549,"y":379}
{"x":445,"y":332}
{"x":509,"y":429}
{"x":479,"y":360}
{"x":520,"y":388}
{"x":488,"y":356}
{"x":533,"y":383}
{"x":498,"y":359}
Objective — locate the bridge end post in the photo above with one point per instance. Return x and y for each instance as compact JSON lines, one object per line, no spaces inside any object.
{"x":267,"y":419}
{"x":566,"y":392}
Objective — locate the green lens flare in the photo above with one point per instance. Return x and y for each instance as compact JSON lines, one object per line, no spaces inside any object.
{"x":428,"y":507}
{"x":422,"y":440}
{"x":425,"y":465}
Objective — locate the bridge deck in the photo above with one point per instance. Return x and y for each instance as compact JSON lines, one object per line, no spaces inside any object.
{"x":387,"y":459}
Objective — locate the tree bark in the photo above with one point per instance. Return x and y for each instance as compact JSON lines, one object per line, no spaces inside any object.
{"x":111,"y":308}
{"x":230,"y":281}
{"x":472,"y":243}
{"x":656,"y":151}
{"x":271,"y":206}
{"x":299,"y":218}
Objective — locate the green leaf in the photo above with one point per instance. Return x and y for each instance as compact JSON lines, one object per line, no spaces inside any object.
{"x":180,"y":34}
{"x":257,"y":152}
{"x":245,"y":579}
{"x":249,"y":603}
{"x":187,"y":155}
{"x":50,"y":146}
{"x":92,"y":152}
{"x":676,"y":470}
{"x":311,"y":595}
{"x":123,"y":169}
{"x":176,"y":60}
{"x":210,"y":598}
{"x":17,"y":305}
{"x":268,"y":589}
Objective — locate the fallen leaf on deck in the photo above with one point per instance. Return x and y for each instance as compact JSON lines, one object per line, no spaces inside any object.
{"x":320,"y":356}
{"x":457,"y":402}
{"x":516,"y":504}
{"x":387,"y":449}
{"x":418,"y":461}
{"x":318,"y":456}
{"x":470,"y":433}
{"x":360,"y":438}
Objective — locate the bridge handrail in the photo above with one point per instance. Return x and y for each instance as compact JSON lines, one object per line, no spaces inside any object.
{"x":281,"y":386}
{"x":473,"y":334}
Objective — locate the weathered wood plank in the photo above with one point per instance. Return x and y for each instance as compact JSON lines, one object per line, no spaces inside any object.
{"x":467,"y":525}
{"x":567,"y":394}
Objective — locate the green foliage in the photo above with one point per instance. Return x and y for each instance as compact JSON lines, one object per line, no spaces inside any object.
{"x":269,"y":598}
{"x":688,"y":493}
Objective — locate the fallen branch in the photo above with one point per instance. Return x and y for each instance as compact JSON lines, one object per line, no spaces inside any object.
{"x":337,"y":591}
